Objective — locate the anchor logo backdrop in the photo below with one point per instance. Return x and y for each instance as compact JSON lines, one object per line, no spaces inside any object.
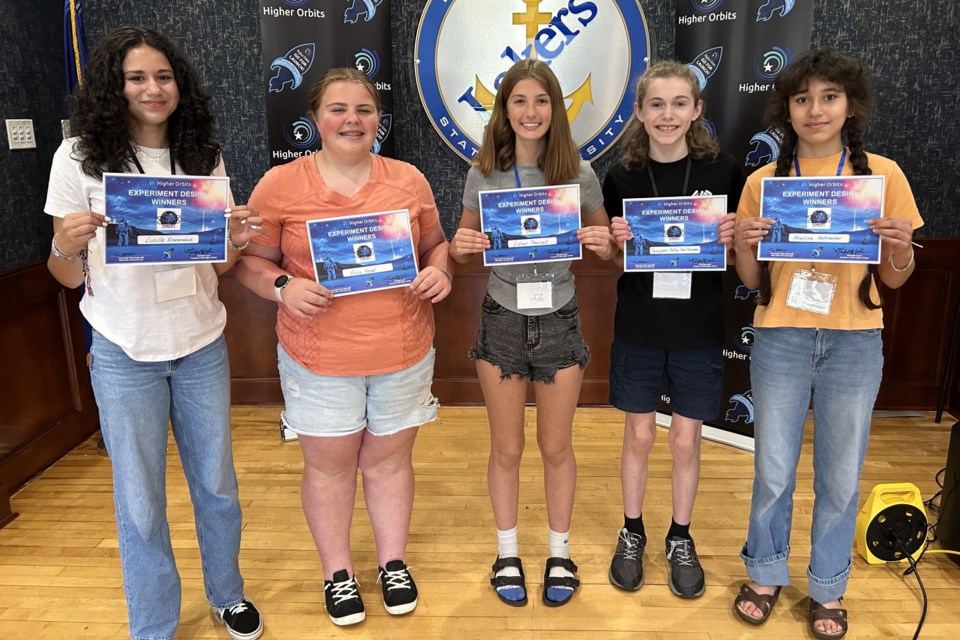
{"x":596,"y":49}
{"x":301,"y":40}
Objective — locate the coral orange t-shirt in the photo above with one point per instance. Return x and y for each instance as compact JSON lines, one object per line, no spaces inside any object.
{"x":367,"y":334}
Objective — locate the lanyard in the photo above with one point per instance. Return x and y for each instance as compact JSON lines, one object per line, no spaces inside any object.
{"x":843,"y":158}
{"x":516,"y":176}
{"x":686,"y":179}
{"x":173,"y":169}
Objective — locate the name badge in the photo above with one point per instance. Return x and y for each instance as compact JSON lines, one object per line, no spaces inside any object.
{"x":676,"y":284}
{"x":812,"y":291}
{"x":534,"y":295}
{"x":175,"y":283}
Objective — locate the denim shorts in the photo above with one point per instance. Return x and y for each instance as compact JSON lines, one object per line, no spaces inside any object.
{"x":694,"y":379}
{"x":319,"y":405}
{"x":531,"y":347}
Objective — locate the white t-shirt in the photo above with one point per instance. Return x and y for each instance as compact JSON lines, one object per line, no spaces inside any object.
{"x":122,"y":303}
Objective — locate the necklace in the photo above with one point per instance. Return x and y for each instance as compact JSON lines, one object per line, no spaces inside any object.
{"x":155,"y":157}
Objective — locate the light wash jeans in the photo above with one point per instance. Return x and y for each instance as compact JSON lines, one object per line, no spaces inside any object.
{"x":841,"y":371}
{"x":136,"y":400}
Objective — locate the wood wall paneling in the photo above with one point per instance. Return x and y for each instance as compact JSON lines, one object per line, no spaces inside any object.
{"x":46,"y":403}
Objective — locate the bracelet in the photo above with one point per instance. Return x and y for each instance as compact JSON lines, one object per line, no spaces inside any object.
{"x":449,"y":277}
{"x":898,"y":269}
{"x":232,"y":245}
{"x":56,"y":251}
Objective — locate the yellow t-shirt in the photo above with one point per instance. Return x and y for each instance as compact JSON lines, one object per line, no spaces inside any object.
{"x":377,"y":332}
{"x":847,"y":310}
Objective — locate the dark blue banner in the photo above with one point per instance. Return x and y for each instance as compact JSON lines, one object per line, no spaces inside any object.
{"x":736,"y":48}
{"x":74,"y":44}
{"x":301,"y":40}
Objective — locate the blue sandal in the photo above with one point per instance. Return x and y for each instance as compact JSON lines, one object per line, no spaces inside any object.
{"x":511,"y":590}
{"x":558,"y":586}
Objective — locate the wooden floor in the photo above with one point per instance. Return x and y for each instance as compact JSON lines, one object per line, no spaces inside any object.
{"x":60,"y":573}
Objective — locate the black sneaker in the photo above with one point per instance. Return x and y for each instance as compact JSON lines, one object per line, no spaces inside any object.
{"x":342,"y":599}
{"x":626,"y":568}
{"x":399,"y":589}
{"x":242,"y":620}
{"x":686,"y":574}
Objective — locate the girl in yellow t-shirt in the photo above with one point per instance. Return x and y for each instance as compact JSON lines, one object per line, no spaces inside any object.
{"x":823,"y":349}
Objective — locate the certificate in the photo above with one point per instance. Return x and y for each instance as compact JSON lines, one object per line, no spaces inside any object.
{"x":363,"y":253}
{"x":531,"y":224}
{"x":165,"y":219}
{"x":675,"y":234}
{"x":821,"y":219}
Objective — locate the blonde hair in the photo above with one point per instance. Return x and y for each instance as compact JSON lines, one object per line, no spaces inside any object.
{"x":636,"y":140}
{"x":560,"y":160}
{"x":342,"y":74}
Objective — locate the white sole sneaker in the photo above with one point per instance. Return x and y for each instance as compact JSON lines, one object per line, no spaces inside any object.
{"x":401,"y":609}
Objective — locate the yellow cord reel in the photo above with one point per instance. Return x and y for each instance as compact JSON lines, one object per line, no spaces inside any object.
{"x":892,"y":521}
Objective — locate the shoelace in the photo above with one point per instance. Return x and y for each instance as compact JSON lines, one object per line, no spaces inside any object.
{"x":399,"y":579}
{"x":629,"y":546}
{"x":680,"y":549}
{"x":346,"y":590}
{"x":238,"y":608}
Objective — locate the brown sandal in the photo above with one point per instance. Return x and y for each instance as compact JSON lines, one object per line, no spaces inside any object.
{"x":761,"y":601}
{"x":819,"y":613}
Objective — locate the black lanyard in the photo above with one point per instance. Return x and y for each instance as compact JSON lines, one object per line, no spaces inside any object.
{"x":686,"y":178}
{"x":843,"y":159}
{"x":173,"y":168}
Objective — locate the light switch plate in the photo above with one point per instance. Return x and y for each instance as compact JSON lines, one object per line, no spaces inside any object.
{"x":20,"y":134}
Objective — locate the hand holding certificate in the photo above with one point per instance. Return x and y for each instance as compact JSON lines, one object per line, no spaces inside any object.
{"x":363,"y":253}
{"x":675,"y":234}
{"x":821,"y":219}
{"x":533,"y":224}
{"x":165,"y":219}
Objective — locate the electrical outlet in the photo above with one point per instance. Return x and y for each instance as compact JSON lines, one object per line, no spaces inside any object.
{"x":20,"y":134}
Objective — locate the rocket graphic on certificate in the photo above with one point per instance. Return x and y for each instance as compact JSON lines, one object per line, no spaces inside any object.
{"x":363,"y":253}
{"x":821,"y":219}
{"x":674,"y":234}
{"x":531,"y":224}
{"x":165,"y":219}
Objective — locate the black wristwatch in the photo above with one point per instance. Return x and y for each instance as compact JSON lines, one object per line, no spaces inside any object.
{"x":278,"y":285}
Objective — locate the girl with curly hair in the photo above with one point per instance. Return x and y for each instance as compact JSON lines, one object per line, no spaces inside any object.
{"x":158,"y":352}
{"x":660,"y":331}
{"x":828,"y":354}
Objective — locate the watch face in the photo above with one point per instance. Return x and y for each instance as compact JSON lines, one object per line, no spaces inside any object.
{"x":281,"y":281}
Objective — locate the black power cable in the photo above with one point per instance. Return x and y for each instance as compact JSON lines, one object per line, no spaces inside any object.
{"x":896,"y":533}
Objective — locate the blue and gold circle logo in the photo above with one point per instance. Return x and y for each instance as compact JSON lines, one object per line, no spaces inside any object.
{"x":597,"y":49}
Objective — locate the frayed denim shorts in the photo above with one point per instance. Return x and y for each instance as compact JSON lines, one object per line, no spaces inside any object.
{"x":383,"y":404}
{"x":531,"y":347}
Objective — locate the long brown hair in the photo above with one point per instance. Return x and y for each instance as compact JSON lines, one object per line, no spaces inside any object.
{"x":636,"y":140}
{"x":560,"y":160}
{"x":837,"y":68}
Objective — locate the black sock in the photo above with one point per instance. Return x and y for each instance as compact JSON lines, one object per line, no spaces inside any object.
{"x":634,"y":525}
{"x":678,"y":530}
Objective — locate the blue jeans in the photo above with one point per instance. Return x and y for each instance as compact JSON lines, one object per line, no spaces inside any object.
{"x":840,"y":371}
{"x":136,"y":400}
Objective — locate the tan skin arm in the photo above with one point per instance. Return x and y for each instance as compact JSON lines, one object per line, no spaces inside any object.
{"x":897,"y":235}
{"x":244,"y":225}
{"x":747,"y":236}
{"x":71,"y":234}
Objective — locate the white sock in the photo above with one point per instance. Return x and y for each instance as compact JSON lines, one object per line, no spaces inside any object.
{"x":508,"y":547}
{"x":559,"y":548}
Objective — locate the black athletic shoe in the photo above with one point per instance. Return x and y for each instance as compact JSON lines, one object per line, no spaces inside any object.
{"x":342,"y":598}
{"x":242,"y":620}
{"x":399,"y":589}
{"x":686,"y":574}
{"x":626,"y":568}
